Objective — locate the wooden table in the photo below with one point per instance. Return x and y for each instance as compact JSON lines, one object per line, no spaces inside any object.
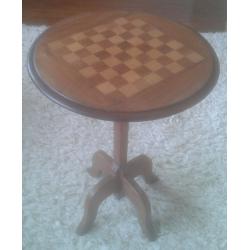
{"x":122,"y":67}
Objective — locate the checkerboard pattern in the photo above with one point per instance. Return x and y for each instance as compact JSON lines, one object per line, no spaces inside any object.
{"x":125,"y":56}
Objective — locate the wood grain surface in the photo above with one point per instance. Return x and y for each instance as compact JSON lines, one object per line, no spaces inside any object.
{"x":123,"y":66}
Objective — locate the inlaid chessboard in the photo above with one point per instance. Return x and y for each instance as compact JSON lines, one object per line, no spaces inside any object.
{"x":125,"y":55}
{"x":118,"y":65}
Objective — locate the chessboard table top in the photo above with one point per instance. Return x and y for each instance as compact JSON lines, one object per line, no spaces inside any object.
{"x":122,"y":66}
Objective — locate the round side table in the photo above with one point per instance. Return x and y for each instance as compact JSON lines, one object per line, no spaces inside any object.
{"x":122,"y":67}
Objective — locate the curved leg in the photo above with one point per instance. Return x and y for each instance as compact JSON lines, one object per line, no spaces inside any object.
{"x":102,"y":165}
{"x":141,"y":165}
{"x":106,"y":187}
{"x":139,"y":199}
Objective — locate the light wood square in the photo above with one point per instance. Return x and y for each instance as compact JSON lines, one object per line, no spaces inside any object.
{"x":74,"y":46}
{"x":97,"y":38}
{"x":155,"y":42}
{"x":71,"y":58}
{"x":129,"y":90}
{"x":121,"y":21}
{"x":136,"y":31}
{"x":138,"y":23}
{"x":118,"y":30}
{"x":116,"y":39}
{"x":106,"y":88}
{"x":135,"y":41}
{"x":100,"y":28}
{"x":131,"y":76}
{"x":153,"y":65}
{"x":111,"y":61}
{"x":91,"y":59}
{"x":141,"y":84}
{"x":174,"y":67}
{"x":133,"y":63}
{"x":55,"y":45}
{"x":174,"y":55}
{"x":174,"y":44}
{"x":114,"y":50}
{"x":134,"y":51}
{"x":78,"y":36}
{"x":155,"y":33}
{"x":94,"y":48}
{"x":87,"y":72}
{"x":109,"y":73}
{"x":194,"y":57}
{"x":152,"y":78}
{"x":154,"y":53}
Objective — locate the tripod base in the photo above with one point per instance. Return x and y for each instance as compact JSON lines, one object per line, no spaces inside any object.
{"x":119,"y":180}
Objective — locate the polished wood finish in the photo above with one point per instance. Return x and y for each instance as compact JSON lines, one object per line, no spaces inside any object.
{"x":203,"y":15}
{"x":118,"y":179}
{"x":122,"y":66}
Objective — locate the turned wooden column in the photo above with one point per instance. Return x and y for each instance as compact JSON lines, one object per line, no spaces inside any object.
{"x":120,"y":152}
{"x":121,"y":143}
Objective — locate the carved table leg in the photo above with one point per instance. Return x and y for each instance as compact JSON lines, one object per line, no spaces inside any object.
{"x":139,"y":199}
{"x":118,"y":180}
{"x":106,"y":187}
{"x":102,"y":165}
{"x":141,"y":165}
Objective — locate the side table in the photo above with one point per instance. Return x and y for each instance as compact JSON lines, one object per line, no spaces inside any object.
{"x":122,"y":67}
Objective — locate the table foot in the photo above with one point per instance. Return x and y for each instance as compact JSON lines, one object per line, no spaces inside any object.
{"x":141,"y":165}
{"x":106,"y":187}
{"x":141,"y":203}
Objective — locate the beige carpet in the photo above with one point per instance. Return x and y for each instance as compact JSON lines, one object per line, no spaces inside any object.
{"x":189,"y":155}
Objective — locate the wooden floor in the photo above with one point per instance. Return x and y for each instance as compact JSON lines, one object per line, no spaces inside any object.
{"x":203,"y":15}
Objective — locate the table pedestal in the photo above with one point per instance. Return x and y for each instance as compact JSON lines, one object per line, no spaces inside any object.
{"x":117,"y":178}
